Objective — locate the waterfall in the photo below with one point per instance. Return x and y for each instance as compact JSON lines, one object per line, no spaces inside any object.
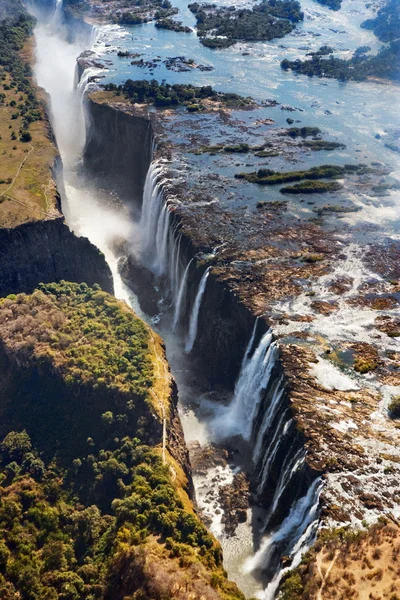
{"x":253,"y":379}
{"x":194,"y":317}
{"x":291,"y":465}
{"x":279,"y":437}
{"x":181,"y":295}
{"x":176,"y":263}
{"x":154,"y":222}
{"x":57,"y":14}
{"x":266,"y":425}
{"x":293,"y":538}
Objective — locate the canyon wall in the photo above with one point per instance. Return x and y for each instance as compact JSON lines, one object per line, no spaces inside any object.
{"x":118,"y":148}
{"x":45,"y":251}
{"x":225,"y":323}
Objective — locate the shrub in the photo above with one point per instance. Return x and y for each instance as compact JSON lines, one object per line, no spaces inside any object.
{"x":394,"y":407}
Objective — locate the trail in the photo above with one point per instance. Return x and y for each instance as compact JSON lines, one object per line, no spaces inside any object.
{"x":162,"y":375}
{"x":18,"y":171}
{"x":324,"y":578}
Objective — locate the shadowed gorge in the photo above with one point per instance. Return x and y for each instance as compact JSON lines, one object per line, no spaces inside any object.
{"x":225,"y":426}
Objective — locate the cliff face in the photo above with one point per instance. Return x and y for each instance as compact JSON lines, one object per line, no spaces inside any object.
{"x":44,"y":251}
{"x":118,"y":148}
{"x":86,"y":387}
{"x":265,"y":261}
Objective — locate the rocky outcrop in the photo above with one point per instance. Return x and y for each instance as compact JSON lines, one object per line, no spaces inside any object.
{"x":44,"y":251}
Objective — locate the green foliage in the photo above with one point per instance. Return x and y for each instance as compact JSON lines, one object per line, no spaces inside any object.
{"x":332,"y":4}
{"x":93,"y":353}
{"x":265,"y":21}
{"x":269,"y":177}
{"x":394,"y":407}
{"x":92,"y":337}
{"x":385,"y":64}
{"x":386,"y":25}
{"x":301,"y":131}
{"x":292,"y":587}
{"x":55,"y":546}
{"x":312,"y":187}
{"x":317,"y":145}
{"x":172,"y":25}
{"x":13,"y":35}
{"x":165,"y":94}
{"x":80,"y":495}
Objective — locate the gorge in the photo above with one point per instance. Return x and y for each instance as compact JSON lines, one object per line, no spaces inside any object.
{"x":280,"y":317}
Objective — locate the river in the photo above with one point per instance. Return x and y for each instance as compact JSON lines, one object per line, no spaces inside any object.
{"x":352,"y":112}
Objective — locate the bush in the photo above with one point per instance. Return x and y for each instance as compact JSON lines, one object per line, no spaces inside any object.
{"x":394,"y":407}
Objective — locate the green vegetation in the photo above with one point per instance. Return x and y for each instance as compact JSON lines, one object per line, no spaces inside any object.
{"x":266,"y":153}
{"x":165,"y":94}
{"x":91,"y":337}
{"x":172,"y":25}
{"x":269,"y":177}
{"x":292,"y":587}
{"x":87,"y":507}
{"x":27,"y":150}
{"x":242,"y":148}
{"x":318,"y":145}
{"x":15,"y":73}
{"x":384,"y":65}
{"x":222,"y":27}
{"x":11,"y":9}
{"x":386,"y":25}
{"x":335,"y":208}
{"x":128,"y":13}
{"x":364,"y":364}
{"x":237,"y":148}
{"x":312,"y":187}
{"x":394,"y":407}
{"x":301,"y":131}
{"x":76,"y":8}
{"x":332,"y":4}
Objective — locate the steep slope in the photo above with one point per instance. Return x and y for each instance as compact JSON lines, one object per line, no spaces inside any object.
{"x":95,"y":498}
{"x":35,"y":244}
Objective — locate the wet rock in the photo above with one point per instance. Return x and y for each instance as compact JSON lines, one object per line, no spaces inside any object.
{"x":234,"y":500}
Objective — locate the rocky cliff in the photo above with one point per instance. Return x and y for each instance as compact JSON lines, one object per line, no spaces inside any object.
{"x":44,"y":251}
{"x":118,"y":148}
{"x":325,"y":416}
{"x":92,"y":457}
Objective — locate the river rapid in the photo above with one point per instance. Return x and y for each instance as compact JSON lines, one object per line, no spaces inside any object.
{"x":352,"y":112}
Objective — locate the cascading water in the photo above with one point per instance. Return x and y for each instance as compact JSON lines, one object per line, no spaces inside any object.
{"x":181,"y":296}
{"x":160,"y":243}
{"x":253,"y":380}
{"x":293,"y":538}
{"x":261,"y":422}
{"x":194,"y":317}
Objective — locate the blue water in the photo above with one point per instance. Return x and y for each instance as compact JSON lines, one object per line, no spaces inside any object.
{"x":354,"y":111}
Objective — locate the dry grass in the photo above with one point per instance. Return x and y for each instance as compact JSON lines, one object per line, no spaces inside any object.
{"x":360,"y":567}
{"x":28,"y":192}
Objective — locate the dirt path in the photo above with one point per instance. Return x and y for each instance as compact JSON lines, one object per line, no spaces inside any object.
{"x":18,"y":171}
{"x":162,"y":375}
{"x":324,"y":578}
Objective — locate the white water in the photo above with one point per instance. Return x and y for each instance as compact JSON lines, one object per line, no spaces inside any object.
{"x":253,"y":380}
{"x":181,"y":296}
{"x":104,"y":220}
{"x":152,"y":213}
{"x":194,"y":317}
{"x":296,"y":532}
